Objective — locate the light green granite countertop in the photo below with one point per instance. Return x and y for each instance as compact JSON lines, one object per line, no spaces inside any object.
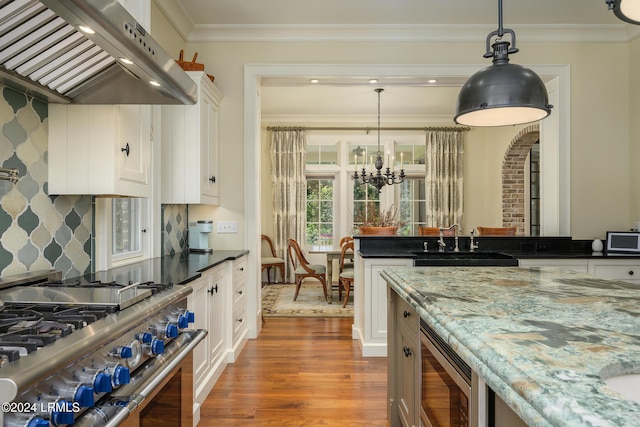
{"x":541,"y":338}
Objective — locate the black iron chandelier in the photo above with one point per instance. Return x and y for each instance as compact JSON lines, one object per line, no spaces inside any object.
{"x":503,"y":93}
{"x":378,"y":179}
{"x":627,"y":10}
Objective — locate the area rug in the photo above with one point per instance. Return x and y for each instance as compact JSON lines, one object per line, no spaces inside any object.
{"x":277,"y":301}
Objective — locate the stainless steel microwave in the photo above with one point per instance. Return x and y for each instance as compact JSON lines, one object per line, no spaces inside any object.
{"x":623,"y":242}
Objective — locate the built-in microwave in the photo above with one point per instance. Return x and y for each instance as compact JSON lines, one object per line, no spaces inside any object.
{"x":623,"y":242}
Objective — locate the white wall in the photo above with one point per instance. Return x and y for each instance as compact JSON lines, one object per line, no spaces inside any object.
{"x":600,"y":179}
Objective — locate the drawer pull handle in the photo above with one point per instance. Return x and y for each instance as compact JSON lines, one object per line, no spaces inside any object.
{"x":213,"y":179}
{"x":407,"y":351}
{"x":630,"y":272}
{"x":215,"y":288}
{"x":406,"y":314}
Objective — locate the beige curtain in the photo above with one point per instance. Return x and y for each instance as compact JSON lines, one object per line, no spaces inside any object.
{"x":444,"y":178}
{"x":288,"y":154}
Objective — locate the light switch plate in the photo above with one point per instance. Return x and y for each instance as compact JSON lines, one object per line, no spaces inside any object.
{"x":227,"y":227}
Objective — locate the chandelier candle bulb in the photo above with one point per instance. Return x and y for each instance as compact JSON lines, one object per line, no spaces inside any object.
{"x":401,"y":160}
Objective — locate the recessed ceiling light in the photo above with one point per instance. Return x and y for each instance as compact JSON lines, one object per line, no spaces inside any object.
{"x":126,"y":61}
{"x":373,"y":81}
{"x":85,"y":29}
{"x":154,"y":83}
{"x":314,"y":80}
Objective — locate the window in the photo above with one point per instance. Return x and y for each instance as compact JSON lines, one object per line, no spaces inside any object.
{"x":412,"y":205}
{"x":320,"y":195}
{"x":127,"y":230}
{"x":333,"y":198}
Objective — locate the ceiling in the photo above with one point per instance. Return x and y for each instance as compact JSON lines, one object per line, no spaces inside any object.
{"x":406,"y":97}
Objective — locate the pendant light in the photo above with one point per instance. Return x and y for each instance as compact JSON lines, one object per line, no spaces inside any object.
{"x":503,"y":93}
{"x":627,"y":10}
{"x":378,"y":179}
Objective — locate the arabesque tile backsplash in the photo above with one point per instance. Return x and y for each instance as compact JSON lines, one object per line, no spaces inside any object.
{"x":42,"y":232}
{"x":37,"y":231}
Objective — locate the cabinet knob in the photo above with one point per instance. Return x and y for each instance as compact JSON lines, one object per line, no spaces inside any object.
{"x":213,"y":179}
{"x":240,"y":292}
{"x":213,"y":289}
{"x":630,"y":272}
{"x":125,"y":149}
{"x":406,"y":314}
{"x":407,"y":351}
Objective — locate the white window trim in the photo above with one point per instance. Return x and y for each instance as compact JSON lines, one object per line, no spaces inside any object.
{"x":104,"y":258}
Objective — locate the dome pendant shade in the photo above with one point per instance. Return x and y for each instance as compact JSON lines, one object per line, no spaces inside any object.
{"x":626,"y":10}
{"x":502,"y":94}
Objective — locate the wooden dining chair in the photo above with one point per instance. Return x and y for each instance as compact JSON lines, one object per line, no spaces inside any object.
{"x":496,"y":231}
{"x":433,"y":231}
{"x":345,"y":279}
{"x":303,"y":269}
{"x":269,"y":260}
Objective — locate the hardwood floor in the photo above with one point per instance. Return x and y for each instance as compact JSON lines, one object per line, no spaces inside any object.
{"x":300,"y":372}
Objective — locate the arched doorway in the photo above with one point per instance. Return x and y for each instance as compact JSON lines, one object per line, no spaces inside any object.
{"x":513,"y":178}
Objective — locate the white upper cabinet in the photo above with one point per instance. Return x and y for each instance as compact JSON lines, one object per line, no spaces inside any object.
{"x":99,"y":149}
{"x":190,"y":138}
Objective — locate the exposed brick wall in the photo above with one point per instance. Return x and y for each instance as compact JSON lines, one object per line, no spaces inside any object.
{"x":513,"y":179}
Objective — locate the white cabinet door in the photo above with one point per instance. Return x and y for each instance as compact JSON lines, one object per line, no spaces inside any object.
{"x":133,"y":162}
{"x":197,"y":303}
{"x":209,"y":145}
{"x":190,"y":136}
{"x":99,"y":149}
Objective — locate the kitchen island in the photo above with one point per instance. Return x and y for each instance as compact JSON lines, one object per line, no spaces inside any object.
{"x":542,"y":339}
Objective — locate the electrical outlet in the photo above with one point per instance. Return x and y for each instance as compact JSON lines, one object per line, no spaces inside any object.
{"x":227,"y":227}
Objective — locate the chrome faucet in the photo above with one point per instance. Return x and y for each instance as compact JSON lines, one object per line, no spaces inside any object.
{"x":441,"y":243}
{"x":472,"y":246}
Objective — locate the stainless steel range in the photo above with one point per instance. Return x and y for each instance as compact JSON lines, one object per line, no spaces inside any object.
{"x":93,"y":353}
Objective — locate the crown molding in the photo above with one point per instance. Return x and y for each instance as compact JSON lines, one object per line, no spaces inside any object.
{"x":177,"y":15}
{"x":354,"y":119}
{"x":406,"y":33}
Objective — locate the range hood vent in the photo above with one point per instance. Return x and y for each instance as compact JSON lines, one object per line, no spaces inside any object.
{"x":44,"y":53}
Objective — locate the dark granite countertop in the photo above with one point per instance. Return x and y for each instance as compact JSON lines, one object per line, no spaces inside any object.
{"x":180,"y":268}
{"x":518,"y":247}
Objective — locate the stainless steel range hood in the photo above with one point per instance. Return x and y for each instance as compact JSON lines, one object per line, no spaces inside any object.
{"x":43,"y":52}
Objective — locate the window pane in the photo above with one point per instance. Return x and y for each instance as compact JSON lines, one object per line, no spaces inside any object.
{"x":412,"y":154}
{"x":320,"y":204}
{"x":322,"y":154}
{"x":412,"y":201}
{"x":126,"y":228}
{"x":366,"y":201}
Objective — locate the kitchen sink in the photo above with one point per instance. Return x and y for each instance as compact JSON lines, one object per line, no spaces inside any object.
{"x":626,"y":385}
{"x":478,"y":259}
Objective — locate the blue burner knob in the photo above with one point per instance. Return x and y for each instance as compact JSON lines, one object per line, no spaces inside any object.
{"x":121,"y":375}
{"x":185,"y":318}
{"x":124,"y":352}
{"x":102,"y":383}
{"x":63,"y":414}
{"x":171,"y":331}
{"x":183,"y":321}
{"x":145,"y":337}
{"x":84,"y":396}
{"x":38,"y":422}
{"x":157,"y":346}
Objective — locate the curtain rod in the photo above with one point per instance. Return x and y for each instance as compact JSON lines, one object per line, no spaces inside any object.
{"x":368,"y":129}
